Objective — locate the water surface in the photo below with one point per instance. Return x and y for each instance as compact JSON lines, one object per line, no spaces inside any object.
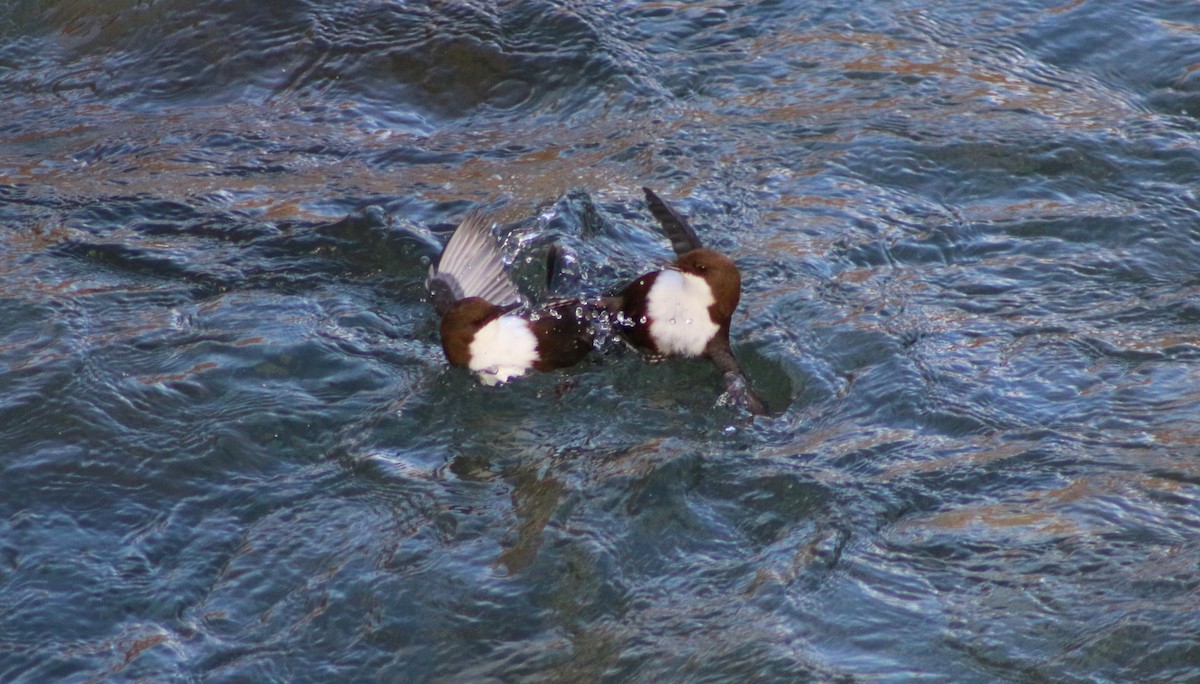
{"x":233,"y":451}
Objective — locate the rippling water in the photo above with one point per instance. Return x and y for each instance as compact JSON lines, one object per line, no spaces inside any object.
{"x":233,"y":452}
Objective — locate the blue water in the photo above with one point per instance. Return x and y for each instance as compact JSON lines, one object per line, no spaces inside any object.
{"x":232,"y":450}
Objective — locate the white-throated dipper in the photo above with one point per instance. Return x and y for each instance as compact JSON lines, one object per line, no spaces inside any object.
{"x":486,"y":325}
{"x":686,"y":308}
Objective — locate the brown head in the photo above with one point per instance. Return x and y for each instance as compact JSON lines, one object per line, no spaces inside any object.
{"x":721,"y":275}
{"x":459,"y":325}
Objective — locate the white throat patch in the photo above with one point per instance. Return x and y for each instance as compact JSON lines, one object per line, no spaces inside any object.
{"x":502,"y":350}
{"x":677,"y":304}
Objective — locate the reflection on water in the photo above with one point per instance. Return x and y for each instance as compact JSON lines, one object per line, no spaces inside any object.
{"x":968,"y":242}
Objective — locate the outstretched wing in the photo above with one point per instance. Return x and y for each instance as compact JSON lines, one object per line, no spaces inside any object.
{"x":683,"y":238}
{"x":471,"y":267}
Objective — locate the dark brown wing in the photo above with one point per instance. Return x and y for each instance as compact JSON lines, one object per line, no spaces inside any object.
{"x":683,"y":238}
{"x":555,"y":257}
{"x":564,"y":335}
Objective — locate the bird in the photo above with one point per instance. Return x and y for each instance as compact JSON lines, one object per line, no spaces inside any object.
{"x":486,"y":325}
{"x":686,"y":309}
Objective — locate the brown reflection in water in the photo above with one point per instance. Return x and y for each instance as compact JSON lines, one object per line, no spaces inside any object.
{"x":276,"y":175}
{"x":996,"y":516}
{"x":988,"y":452}
{"x":535,"y":500}
{"x":1080,"y":509}
{"x":175,"y":377}
{"x":1185,"y":434}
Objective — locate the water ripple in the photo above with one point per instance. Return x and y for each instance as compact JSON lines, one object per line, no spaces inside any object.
{"x":234,"y":450}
